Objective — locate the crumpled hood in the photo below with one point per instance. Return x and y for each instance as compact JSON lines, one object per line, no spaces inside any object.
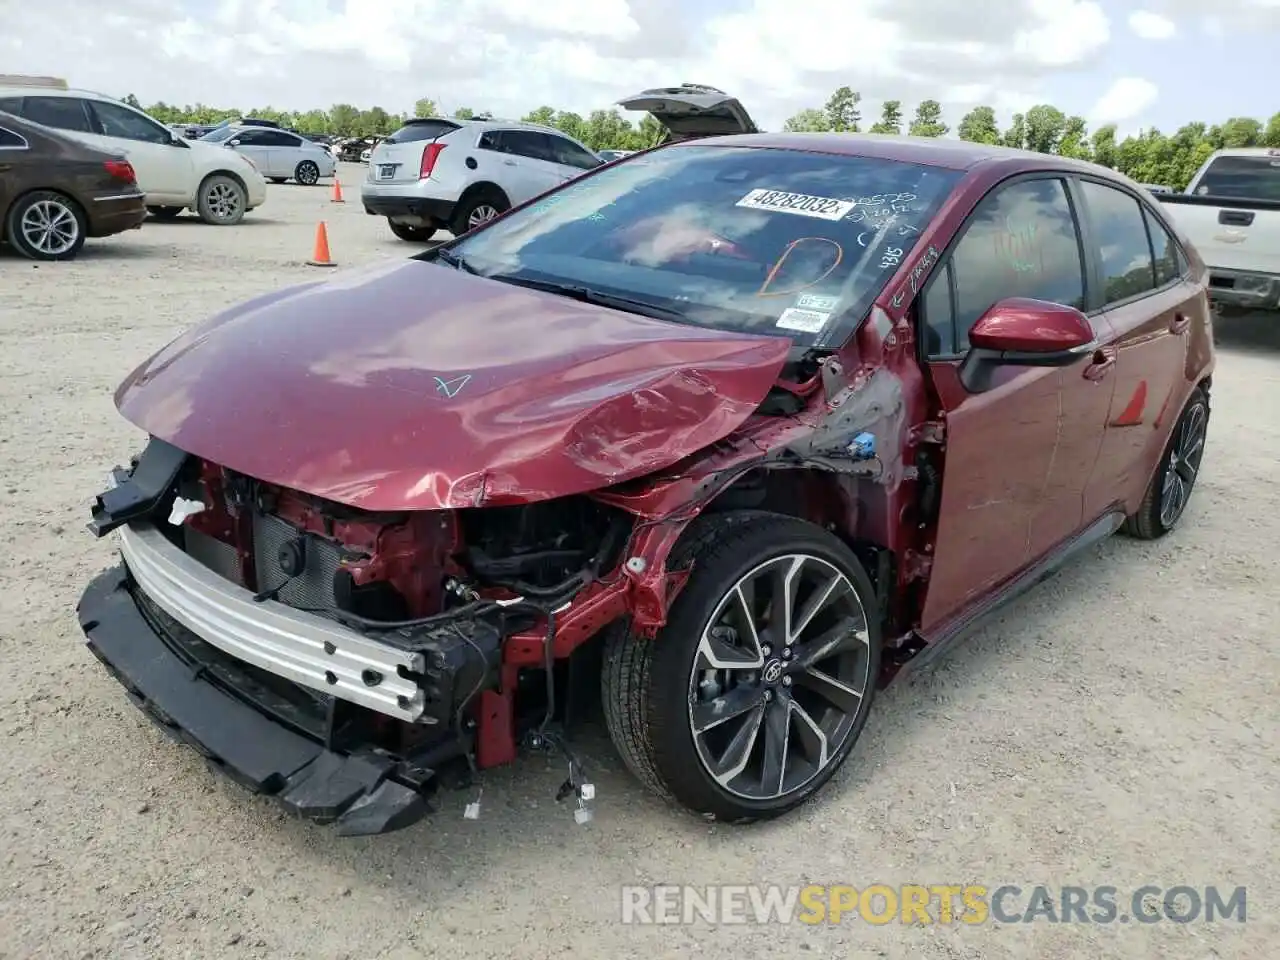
{"x":415,"y":386}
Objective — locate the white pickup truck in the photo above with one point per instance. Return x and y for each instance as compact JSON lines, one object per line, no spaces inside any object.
{"x":1231,"y":213}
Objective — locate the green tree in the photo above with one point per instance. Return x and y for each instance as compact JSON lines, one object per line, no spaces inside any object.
{"x":342,"y":119}
{"x":1016,"y":135}
{"x":543,"y":116}
{"x":1271,"y":136}
{"x":1075,"y":140}
{"x":928,"y":120}
{"x":1103,"y":142}
{"x":1241,"y":132}
{"x":607,"y":129}
{"x":1045,"y":127}
{"x":426,"y":107}
{"x":843,"y":115}
{"x":979,"y":126}
{"x":890,"y":118}
{"x":464,"y":113}
{"x":808,"y":121}
{"x":572,"y":124}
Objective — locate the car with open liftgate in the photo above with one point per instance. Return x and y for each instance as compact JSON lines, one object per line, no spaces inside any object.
{"x":732,"y":432}
{"x":56,"y":192}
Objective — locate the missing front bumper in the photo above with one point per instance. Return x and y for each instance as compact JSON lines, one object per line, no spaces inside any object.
{"x":357,"y":792}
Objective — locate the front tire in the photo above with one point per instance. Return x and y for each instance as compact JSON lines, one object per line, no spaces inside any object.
{"x":306,"y":173}
{"x":411,"y":234}
{"x":1166,"y":498}
{"x":754,"y":693}
{"x":44,"y":225}
{"x":222,"y":201}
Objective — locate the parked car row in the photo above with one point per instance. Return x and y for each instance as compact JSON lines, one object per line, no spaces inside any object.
{"x":176,"y":174}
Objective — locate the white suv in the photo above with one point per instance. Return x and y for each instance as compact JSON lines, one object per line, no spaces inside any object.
{"x":175,"y":173}
{"x":445,"y":174}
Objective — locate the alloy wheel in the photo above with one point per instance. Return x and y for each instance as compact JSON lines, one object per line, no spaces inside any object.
{"x":481,"y":214}
{"x":779,"y":678}
{"x":223,"y":200}
{"x":308,"y":173}
{"x":50,"y":227}
{"x":1183,"y":467}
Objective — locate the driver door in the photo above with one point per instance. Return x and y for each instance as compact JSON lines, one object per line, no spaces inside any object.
{"x":1019,"y":455}
{"x":160,"y":158}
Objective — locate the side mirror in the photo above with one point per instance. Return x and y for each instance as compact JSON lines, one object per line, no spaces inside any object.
{"x":1028,"y":333}
{"x":234,"y":143}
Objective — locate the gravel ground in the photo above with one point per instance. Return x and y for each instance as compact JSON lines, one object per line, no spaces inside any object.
{"x":1120,"y":726}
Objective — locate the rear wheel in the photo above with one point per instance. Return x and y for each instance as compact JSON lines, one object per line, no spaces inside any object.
{"x":756,"y":690}
{"x":306,"y":173}
{"x":411,"y":234}
{"x":1170,"y":490}
{"x":44,"y":225}
{"x":477,"y":210}
{"x":165,"y":213}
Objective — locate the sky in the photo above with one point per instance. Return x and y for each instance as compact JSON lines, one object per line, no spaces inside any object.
{"x":1156,"y":63}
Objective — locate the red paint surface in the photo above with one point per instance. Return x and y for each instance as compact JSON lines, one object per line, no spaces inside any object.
{"x":331,"y":389}
{"x":1030,"y":326}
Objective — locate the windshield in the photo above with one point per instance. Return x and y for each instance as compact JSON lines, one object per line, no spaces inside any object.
{"x":764,"y":241}
{"x":217,"y":136}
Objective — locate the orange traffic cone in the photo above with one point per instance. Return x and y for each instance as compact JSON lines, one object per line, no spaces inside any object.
{"x":321,"y":258}
{"x":337,"y":192}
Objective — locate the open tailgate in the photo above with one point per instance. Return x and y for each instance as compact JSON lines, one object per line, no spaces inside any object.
{"x":692,"y":110}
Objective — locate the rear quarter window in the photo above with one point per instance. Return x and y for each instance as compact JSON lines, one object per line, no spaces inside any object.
{"x":421,"y":130}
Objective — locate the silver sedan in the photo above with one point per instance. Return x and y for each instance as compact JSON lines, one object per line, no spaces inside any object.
{"x":280,"y":155}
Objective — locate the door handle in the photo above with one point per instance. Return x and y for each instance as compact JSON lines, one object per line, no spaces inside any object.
{"x":508,"y":163}
{"x":1179,"y":323}
{"x":1235,"y":218}
{"x":1103,"y":362}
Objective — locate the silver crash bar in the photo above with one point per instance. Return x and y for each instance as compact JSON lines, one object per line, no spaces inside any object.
{"x":271,"y":635}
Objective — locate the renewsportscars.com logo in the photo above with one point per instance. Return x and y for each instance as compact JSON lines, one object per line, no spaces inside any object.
{"x":923,"y":904}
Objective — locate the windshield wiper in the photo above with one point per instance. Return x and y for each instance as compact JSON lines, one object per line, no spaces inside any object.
{"x":453,"y":260}
{"x":575,"y":292}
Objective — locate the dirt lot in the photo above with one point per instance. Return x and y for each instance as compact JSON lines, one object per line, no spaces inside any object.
{"x":1121,"y":726}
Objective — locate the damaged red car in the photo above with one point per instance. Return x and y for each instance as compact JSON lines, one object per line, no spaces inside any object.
{"x":730,"y":433}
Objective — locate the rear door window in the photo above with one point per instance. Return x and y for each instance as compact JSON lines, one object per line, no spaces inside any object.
{"x":1120,"y":231}
{"x":10,"y":140}
{"x":570,"y":154}
{"x":1167,"y":255}
{"x":1020,"y":241}
{"x":61,"y":113}
{"x":1244,"y":178}
{"x":528,"y":143}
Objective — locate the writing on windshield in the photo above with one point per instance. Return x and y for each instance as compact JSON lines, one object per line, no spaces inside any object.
{"x":727,"y":237}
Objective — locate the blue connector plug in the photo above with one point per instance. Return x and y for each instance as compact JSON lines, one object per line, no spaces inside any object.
{"x":863,"y":446}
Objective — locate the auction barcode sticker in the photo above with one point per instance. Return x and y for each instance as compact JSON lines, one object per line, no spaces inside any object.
{"x":803,"y":204}
{"x":806,"y":321}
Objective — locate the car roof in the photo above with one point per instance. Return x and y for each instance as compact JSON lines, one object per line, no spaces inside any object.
{"x":931,"y":151}
{"x":27,"y":90}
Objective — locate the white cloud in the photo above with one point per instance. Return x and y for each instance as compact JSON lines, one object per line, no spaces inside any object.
{"x":509,"y":56}
{"x":1152,"y":26}
{"x":1125,"y":99}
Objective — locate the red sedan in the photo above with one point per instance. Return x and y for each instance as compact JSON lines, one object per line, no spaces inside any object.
{"x":735,"y":429}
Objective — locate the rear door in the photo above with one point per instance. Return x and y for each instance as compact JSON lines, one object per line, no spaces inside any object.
{"x":13,"y":147}
{"x":528,"y":168}
{"x":285,"y":151}
{"x":398,"y":158}
{"x":1019,"y":455}
{"x":690,"y":111}
{"x":1153,"y":306}
{"x":163,"y":166}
